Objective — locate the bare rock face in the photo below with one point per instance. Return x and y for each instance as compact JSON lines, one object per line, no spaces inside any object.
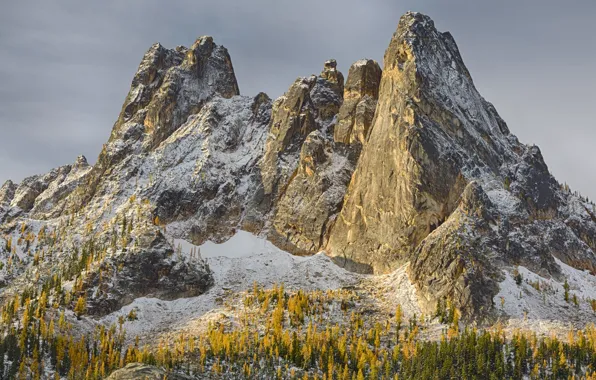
{"x":457,"y":266}
{"x":532,"y":182}
{"x":311,"y":196}
{"x":405,"y":183}
{"x":314,"y":196}
{"x":443,"y":184}
{"x":310,"y":104}
{"x":360,"y":101}
{"x":153,"y":271}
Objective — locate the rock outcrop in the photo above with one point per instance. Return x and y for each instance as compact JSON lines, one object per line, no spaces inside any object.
{"x":312,"y":196}
{"x":154,"y":271}
{"x":52,"y":201}
{"x":7,"y":192}
{"x":309,"y":105}
{"x":169,"y":86}
{"x":304,"y":213}
{"x":360,"y":101}
{"x":135,"y":371}
{"x":443,"y":184}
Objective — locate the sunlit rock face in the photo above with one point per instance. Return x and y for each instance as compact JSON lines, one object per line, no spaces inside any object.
{"x":360,"y":101}
{"x":314,"y":169}
{"x":441,"y":182}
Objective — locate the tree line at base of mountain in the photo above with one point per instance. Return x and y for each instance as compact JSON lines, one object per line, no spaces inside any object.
{"x":293,"y":335}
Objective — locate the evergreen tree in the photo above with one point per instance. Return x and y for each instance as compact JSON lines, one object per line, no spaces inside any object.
{"x":80,"y":307}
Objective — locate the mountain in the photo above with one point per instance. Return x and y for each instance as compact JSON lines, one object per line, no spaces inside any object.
{"x":443,"y":183}
{"x":402,"y":183}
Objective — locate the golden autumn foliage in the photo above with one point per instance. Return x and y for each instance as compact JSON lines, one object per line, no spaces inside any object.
{"x":289,"y":335}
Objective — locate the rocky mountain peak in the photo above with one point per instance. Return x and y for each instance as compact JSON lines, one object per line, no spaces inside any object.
{"x":310,"y":104}
{"x":7,"y":192}
{"x":7,"y":185}
{"x":205,"y":71}
{"x":169,"y":86}
{"x":360,"y":101}
{"x":80,"y":162}
{"x":438,"y":160}
{"x":415,"y":24}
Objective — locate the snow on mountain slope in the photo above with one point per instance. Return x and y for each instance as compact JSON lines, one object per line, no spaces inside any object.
{"x":538,"y":303}
{"x":236,"y":264}
{"x":240,"y":262}
{"x":242,"y":244}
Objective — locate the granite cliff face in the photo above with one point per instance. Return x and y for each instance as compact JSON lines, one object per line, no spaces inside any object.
{"x":360,"y":101}
{"x":408,"y":164}
{"x":311,"y":170}
{"x":442,"y":183}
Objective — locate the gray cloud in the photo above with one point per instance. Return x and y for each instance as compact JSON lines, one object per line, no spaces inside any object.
{"x":66,"y":66}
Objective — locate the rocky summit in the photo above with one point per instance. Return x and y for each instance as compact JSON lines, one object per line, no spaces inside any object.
{"x":402,"y":182}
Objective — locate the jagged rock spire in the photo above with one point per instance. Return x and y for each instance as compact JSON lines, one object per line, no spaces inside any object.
{"x":168,"y":87}
{"x":7,"y":192}
{"x":309,"y":104}
{"x":360,"y":101}
{"x":401,"y":186}
{"x":171,"y":84}
{"x":332,"y":75}
{"x":194,"y":75}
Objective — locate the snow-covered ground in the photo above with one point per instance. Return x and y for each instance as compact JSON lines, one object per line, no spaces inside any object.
{"x":538,"y":303}
{"x":242,"y":244}
{"x":240,"y":262}
{"x":236,"y":265}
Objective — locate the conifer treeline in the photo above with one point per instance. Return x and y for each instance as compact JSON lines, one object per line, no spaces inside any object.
{"x":290,"y":335}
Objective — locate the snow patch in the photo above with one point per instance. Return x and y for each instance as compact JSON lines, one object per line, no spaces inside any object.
{"x":538,"y":303}
{"x":242,"y":244}
{"x":236,"y":265}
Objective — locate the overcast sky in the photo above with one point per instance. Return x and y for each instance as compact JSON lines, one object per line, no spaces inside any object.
{"x":66,"y":66}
